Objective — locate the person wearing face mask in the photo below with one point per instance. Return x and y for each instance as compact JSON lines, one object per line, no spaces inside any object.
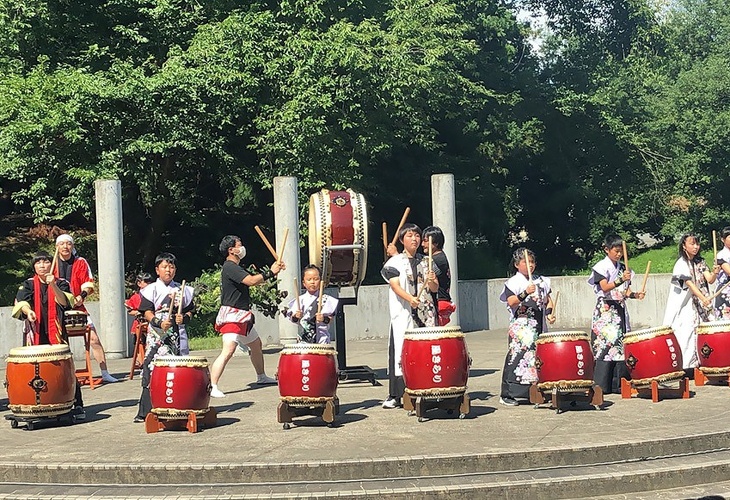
{"x":235,"y":321}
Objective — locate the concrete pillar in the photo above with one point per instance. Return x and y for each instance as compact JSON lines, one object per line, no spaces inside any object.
{"x":112,"y":321}
{"x":286,"y":216}
{"x":443,"y":199}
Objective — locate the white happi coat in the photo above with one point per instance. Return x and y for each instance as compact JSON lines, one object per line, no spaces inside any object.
{"x":160,"y":294}
{"x":401,"y":318}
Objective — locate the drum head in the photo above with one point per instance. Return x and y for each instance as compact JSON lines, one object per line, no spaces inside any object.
{"x":646,"y":334}
{"x":562,"y":336}
{"x":194,"y":361}
{"x":304,"y":348}
{"x":38,"y":353}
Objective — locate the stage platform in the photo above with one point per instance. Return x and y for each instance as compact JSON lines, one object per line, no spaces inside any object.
{"x":630,"y":449}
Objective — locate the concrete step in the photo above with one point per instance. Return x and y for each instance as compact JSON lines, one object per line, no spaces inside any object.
{"x":645,"y":474}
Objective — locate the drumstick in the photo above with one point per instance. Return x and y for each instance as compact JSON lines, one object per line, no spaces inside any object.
{"x":296,"y":290}
{"x":527,"y":264}
{"x":283,"y":245}
{"x":430,"y":254}
{"x":55,"y":259}
{"x":321,"y":296}
{"x":182,"y":296}
{"x":400,"y":225}
{"x":266,"y":242}
{"x":718,"y":291}
{"x":385,"y":236}
{"x":646,"y":276}
{"x":555,"y":303}
{"x":626,"y":255}
{"x":714,"y":244}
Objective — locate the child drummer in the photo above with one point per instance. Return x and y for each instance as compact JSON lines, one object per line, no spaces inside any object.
{"x":305,"y":309}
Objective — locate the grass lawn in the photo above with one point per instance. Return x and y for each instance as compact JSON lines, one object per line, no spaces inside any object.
{"x":662,"y":260}
{"x":205,"y":343}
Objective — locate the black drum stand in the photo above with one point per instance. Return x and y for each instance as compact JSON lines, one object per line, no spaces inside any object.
{"x":32,"y":421}
{"x":359,"y":372}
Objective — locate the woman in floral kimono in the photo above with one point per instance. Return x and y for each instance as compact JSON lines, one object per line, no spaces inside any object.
{"x":688,"y":304}
{"x":722,"y":302}
{"x":610,"y":281}
{"x":530,"y":308}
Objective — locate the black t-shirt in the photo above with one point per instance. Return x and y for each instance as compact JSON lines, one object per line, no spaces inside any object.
{"x":233,"y":292}
{"x":444,"y":275}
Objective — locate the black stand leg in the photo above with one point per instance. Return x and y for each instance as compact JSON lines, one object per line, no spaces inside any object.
{"x":361,"y":372}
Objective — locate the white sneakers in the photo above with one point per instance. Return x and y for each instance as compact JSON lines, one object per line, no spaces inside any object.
{"x":217,"y":393}
{"x":107,"y":377}
{"x":390,"y":403}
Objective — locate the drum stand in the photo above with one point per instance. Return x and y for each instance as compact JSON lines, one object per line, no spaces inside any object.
{"x":30,"y":422}
{"x":153,"y":423}
{"x":84,"y":375}
{"x":557,"y":396}
{"x":628,"y":389}
{"x":419,"y":405}
{"x":327,"y":409}
{"x":360,"y":372}
{"x":702,"y":378}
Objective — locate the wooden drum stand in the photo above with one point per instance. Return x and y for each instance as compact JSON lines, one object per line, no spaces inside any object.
{"x":558,"y":395}
{"x":189,"y":420}
{"x":291,"y":407}
{"x":419,"y":404}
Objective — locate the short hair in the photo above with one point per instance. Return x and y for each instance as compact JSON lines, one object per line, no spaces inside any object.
{"x":725,"y":232}
{"x":612,"y":241}
{"x":228,"y":241}
{"x":680,"y":250}
{"x":436,"y":235}
{"x":165,"y":257}
{"x":145,"y":276}
{"x":408,"y":226}
{"x":39,"y":256}
{"x":310,"y":267}
{"x":519,"y":255}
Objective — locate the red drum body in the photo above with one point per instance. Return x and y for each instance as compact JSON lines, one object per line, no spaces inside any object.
{"x":40,"y":380}
{"x":564,"y":360}
{"x":308,"y":372}
{"x":653,"y":354}
{"x":180,"y":385}
{"x":75,"y":322}
{"x":338,"y":236}
{"x":435,"y":361}
{"x":713,"y":347}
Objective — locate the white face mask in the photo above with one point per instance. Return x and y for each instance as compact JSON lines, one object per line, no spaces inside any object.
{"x":241,"y":252}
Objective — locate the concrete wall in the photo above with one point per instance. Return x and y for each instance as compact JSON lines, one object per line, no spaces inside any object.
{"x":479,"y":303}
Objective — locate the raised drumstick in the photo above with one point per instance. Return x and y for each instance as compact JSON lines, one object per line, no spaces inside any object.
{"x":646,"y":276}
{"x":527,"y":264}
{"x":55,"y":259}
{"x":385,"y":236}
{"x":321,"y":296}
{"x":714,"y":244}
{"x":283,"y":245}
{"x":266,"y":242}
{"x":400,"y":225}
{"x":626,"y":255}
{"x":297,"y":290}
{"x":182,"y":296}
{"x":555,"y":303}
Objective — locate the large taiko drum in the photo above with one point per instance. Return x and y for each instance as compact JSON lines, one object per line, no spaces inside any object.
{"x":653,"y":354}
{"x":435,"y":361}
{"x":564,"y":360}
{"x":307,"y":373}
{"x":713,"y":347}
{"x":180,"y":385}
{"x":75,"y":322}
{"x":338,"y":236}
{"x":40,"y":380}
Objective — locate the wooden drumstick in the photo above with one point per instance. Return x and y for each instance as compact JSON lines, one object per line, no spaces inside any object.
{"x":646,"y":276}
{"x":626,"y":255}
{"x":283,"y":246}
{"x":527,"y":264}
{"x":321,"y":296}
{"x":266,"y":242}
{"x":182,"y":296}
{"x":718,"y":291}
{"x":555,"y":304}
{"x":400,"y":225}
{"x":297,"y":290}
{"x":714,"y":244}
{"x":55,"y":259}
{"x":385,"y":236}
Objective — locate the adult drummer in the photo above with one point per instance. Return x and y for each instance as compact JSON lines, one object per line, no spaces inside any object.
{"x":410,"y":307}
{"x":77,"y":272}
{"x":235,"y":321}
{"x":41,"y":302}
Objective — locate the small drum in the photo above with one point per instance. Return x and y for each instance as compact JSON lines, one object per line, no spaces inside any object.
{"x":308,"y":373}
{"x":75,"y":322}
{"x":564,"y":360}
{"x":338,"y":236}
{"x":653,"y":354}
{"x":713,"y":347}
{"x":435,"y":361}
{"x":40,"y":380}
{"x":179,"y":385}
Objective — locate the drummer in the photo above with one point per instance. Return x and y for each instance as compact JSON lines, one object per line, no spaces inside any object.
{"x":166,"y":318}
{"x":304,"y":309}
{"x":445,"y":306}
{"x":44,"y":320}
{"x":407,"y":274}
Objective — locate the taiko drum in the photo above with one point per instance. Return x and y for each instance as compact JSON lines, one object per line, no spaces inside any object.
{"x":180,"y":385}
{"x":435,"y":361}
{"x":653,"y":354}
{"x":308,"y":372}
{"x":713,"y":346}
{"x":338,"y":236}
{"x":40,"y":380}
{"x":564,"y":360}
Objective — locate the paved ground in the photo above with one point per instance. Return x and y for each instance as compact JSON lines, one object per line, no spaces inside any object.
{"x":249,"y":433}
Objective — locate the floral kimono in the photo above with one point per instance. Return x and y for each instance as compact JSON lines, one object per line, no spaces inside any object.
{"x":527,"y":321}
{"x":610,"y":317}
{"x":722,"y":302}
